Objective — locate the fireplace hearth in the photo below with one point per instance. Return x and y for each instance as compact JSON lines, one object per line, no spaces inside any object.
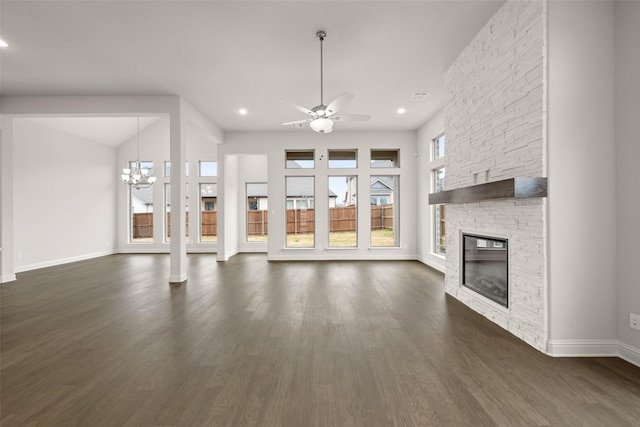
{"x":485,"y":267}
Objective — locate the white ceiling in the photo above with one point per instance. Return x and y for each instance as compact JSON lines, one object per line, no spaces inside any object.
{"x":258,"y":55}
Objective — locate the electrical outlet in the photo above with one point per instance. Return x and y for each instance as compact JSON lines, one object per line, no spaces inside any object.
{"x":634,"y":321}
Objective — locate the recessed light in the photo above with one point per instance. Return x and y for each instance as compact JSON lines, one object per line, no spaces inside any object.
{"x":3,"y":43}
{"x":243,"y":111}
{"x":401,"y":110}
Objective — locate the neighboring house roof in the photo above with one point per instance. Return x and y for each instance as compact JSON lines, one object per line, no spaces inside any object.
{"x":382,"y":184}
{"x":382,"y":163}
{"x":257,"y":190}
{"x":303,"y":188}
{"x":209,"y":190}
{"x":144,"y":195}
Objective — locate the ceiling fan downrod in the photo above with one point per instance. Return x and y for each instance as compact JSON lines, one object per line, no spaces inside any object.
{"x":320,"y":35}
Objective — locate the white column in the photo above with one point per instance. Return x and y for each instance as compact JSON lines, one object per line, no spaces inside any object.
{"x":178,"y":156}
{"x":7,"y":272}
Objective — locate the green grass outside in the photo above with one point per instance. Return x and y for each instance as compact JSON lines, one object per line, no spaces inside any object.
{"x":379,"y":238}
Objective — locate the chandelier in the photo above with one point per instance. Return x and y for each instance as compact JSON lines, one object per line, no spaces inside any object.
{"x":138,"y":177}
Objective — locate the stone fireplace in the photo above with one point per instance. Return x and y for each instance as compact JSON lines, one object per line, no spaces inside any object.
{"x":495,"y":124}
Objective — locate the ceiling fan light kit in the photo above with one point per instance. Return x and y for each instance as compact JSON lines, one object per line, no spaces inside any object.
{"x":322,"y":116}
{"x":322,"y":125}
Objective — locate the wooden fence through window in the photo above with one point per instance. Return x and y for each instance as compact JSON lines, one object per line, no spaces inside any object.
{"x":143,"y":224}
{"x":381,"y":217}
{"x":298,"y":221}
{"x":257,"y":223}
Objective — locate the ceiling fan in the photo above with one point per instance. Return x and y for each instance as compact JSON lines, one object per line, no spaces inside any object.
{"x":322,"y":116}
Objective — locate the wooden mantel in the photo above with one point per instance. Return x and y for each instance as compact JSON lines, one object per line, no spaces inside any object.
{"x":512,"y":188}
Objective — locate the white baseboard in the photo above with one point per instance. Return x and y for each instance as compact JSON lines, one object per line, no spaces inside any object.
{"x":7,"y":278}
{"x":61,"y":261}
{"x":582,"y":348}
{"x":226,"y":256}
{"x":594,"y":348}
{"x":436,"y":266}
{"x":628,"y":353}
{"x":178,"y":278}
{"x":303,"y":254}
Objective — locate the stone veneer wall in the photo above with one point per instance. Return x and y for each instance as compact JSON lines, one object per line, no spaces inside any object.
{"x":495,"y":127}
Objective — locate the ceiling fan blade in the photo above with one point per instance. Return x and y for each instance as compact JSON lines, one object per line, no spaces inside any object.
{"x":338,"y":103}
{"x":303,"y":109}
{"x":351,"y":118}
{"x":296,"y":122}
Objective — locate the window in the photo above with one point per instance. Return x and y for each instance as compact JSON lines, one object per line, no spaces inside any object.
{"x":438,"y":147}
{"x":167,"y":201}
{"x":384,"y":211}
{"x":384,"y":158}
{"x":167,"y":169}
{"x":438,"y":179}
{"x":208,"y":212}
{"x":257,"y":212}
{"x":438,"y":184}
{"x":299,"y":159}
{"x":208,"y":168}
{"x":141,"y":212}
{"x":343,"y":214}
{"x":300,"y":193}
{"x":343,"y":158}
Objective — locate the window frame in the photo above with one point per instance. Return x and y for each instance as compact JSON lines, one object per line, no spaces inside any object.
{"x":437,"y":163}
{"x":200,"y":163}
{"x":354,"y":198}
{"x":394,"y":197}
{"x":312,"y":152}
{"x":339,"y":152}
{"x":265,"y":214}
{"x":380,"y":157}
{"x":310,"y":201}
{"x":201,"y":206}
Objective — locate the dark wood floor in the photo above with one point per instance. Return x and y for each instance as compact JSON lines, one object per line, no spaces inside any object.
{"x":107,"y":342}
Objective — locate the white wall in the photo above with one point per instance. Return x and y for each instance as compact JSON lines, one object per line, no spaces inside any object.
{"x":274,"y":144}
{"x":64,"y":197}
{"x":229,"y":200}
{"x":582,"y":204}
{"x":627,"y":178}
{"x":7,"y":270}
{"x":431,"y":129}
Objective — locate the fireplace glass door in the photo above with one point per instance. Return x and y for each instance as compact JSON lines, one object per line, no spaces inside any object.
{"x":485,"y":262}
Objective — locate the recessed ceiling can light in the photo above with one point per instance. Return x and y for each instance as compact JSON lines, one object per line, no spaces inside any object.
{"x":243,"y":111}
{"x":3,"y":43}
{"x":401,"y":110}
